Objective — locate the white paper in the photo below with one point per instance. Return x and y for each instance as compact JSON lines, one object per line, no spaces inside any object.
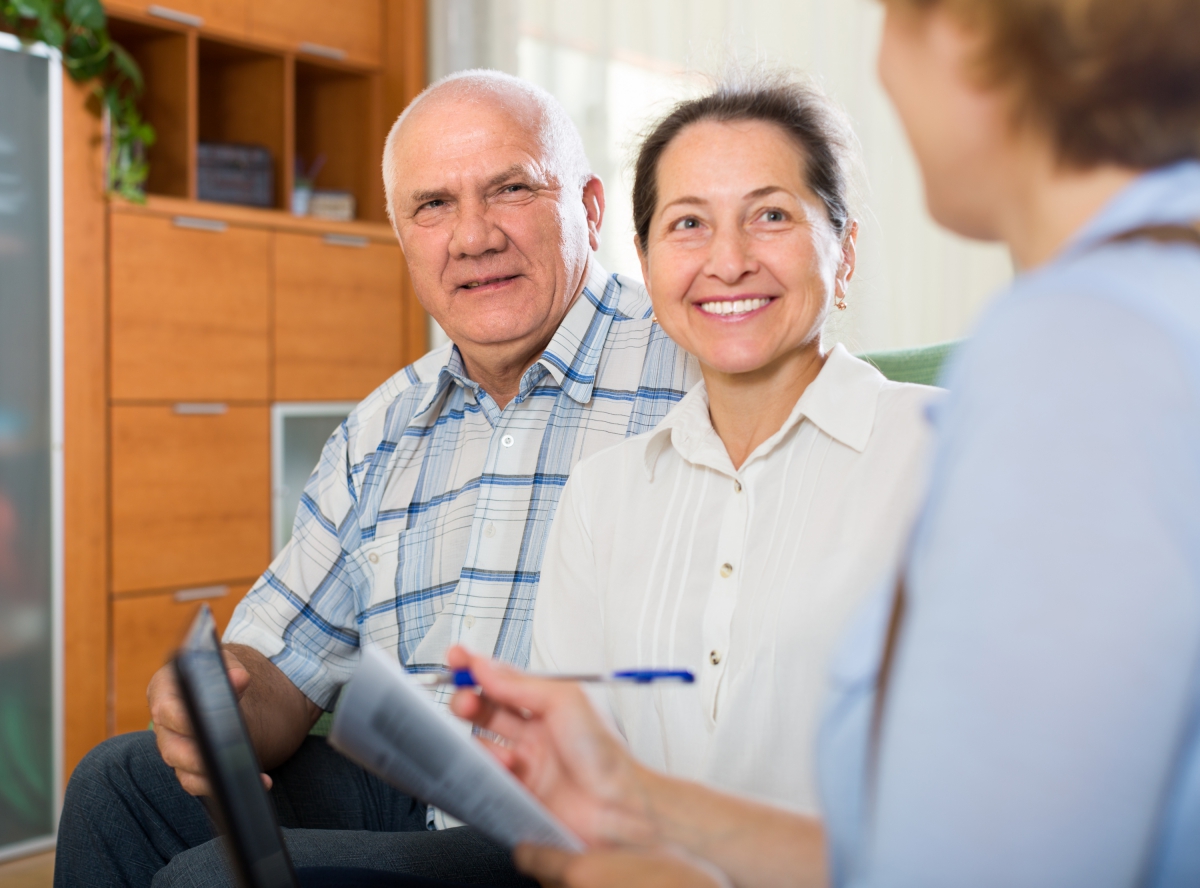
{"x":386,"y":722}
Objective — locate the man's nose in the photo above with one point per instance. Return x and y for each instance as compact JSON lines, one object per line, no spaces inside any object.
{"x":476,"y":233}
{"x":730,"y":255}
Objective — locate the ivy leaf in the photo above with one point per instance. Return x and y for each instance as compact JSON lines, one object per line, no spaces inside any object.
{"x":85,"y":14}
{"x":50,"y":31}
{"x":126,"y":66}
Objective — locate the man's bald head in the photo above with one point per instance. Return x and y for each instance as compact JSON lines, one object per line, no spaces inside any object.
{"x":531,"y":105}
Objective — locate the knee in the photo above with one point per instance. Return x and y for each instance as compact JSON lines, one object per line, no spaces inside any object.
{"x":111,"y":768}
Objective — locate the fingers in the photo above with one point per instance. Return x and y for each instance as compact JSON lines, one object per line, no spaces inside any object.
{"x":547,"y":865}
{"x":515,"y":690}
{"x":239,"y":675}
{"x":600,"y":868}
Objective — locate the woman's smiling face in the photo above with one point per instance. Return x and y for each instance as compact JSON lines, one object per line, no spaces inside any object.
{"x":742,"y":263}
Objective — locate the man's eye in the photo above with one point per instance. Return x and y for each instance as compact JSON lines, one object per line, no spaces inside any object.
{"x":513,"y":189}
{"x":432,"y":205}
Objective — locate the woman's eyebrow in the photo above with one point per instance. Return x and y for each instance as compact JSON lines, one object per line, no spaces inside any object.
{"x":751,"y":195}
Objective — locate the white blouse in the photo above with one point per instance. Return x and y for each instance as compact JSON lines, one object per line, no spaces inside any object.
{"x":662,"y":554}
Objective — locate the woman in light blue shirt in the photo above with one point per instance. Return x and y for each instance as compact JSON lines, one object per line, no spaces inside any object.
{"x":1025,"y":708}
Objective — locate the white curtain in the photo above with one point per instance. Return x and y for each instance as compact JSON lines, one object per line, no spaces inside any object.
{"x":618,"y":64}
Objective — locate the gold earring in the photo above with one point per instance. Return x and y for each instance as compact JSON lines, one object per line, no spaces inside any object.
{"x":653,"y":318}
{"x":841,"y":304}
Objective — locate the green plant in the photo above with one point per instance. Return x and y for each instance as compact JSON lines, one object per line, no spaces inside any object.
{"x":79,"y":30}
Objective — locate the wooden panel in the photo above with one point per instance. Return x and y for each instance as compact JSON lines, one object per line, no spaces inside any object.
{"x":404,"y":76}
{"x":146,"y":631}
{"x":242,"y":100}
{"x":190,"y":496}
{"x":348,"y":30}
{"x":189,"y":311}
{"x":219,"y":16}
{"x":85,"y":409}
{"x":338,"y":318}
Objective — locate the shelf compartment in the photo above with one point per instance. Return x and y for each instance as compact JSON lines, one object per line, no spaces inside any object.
{"x":167,"y":59}
{"x":243,"y":99}
{"x":347,"y":31}
{"x":337,"y":115}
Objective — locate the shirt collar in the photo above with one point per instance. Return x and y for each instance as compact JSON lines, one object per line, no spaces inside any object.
{"x":1165,"y":195}
{"x":573,"y":355}
{"x":841,"y":402}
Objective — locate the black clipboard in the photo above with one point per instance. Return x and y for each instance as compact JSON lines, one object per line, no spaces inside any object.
{"x":240,"y":804}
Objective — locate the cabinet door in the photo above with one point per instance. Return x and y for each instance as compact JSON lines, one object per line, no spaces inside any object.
{"x":224,"y":16}
{"x":337,"y":317}
{"x":348,"y":30}
{"x":189,"y":309}
{"x":146,"y":631}
{"x":190,"y":496}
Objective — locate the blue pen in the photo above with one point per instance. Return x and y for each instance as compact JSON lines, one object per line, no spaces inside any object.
{"x":462,"y":678}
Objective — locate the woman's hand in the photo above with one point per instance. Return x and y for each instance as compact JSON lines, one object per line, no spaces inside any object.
{"x":557,"y":745}
{"x":602,"y":868}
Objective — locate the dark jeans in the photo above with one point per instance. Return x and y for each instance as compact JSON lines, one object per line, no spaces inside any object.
{"x":126,"y":821}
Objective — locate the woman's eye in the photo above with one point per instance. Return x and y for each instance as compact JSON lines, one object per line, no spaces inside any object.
{"x":687,"y":223}
{"x":773,"y":216}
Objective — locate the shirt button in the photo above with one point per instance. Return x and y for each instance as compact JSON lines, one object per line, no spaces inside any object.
{"x":726,"y":569}
{"x":489,"y":529}
{"x":714,"y":658}
{"x":470,"y":622}
{"x":373,"y":558}
{"x":507,"y":440}
{"x":737,"y":486}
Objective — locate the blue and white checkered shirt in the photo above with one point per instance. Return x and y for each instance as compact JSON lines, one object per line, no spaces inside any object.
{"x":424,"y":523}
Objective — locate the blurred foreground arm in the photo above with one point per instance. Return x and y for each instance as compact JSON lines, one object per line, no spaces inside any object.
{"x":277,"y":715}
{"x":564,"y":753}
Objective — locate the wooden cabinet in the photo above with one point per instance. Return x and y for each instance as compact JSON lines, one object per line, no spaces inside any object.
{"x":190,"y":310}
{"x":190,"y":495}
{"x":146,"y":631}
{"x":348,"y":30}
{"x":337,"y":316}
{"x":224,"y":16}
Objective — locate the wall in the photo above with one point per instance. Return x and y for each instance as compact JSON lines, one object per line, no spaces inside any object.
{"x":616,"y":64}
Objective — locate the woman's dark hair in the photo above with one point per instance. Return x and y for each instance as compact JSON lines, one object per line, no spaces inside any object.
{"x":799,"y":109}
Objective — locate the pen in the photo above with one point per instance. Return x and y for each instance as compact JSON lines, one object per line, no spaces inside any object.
{"x":462,"y":678}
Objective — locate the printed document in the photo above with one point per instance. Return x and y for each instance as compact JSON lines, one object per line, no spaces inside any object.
{"x":387,"y":722}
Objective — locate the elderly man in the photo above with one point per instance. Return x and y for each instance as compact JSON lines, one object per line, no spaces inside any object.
{"x":423,"y":525}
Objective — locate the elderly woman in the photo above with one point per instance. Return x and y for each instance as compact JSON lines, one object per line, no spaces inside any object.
{"x":738,"y":537}
{"x":1023,"y":708}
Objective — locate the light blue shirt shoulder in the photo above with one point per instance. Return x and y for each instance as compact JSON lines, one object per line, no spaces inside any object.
{"x":1042,"y":724}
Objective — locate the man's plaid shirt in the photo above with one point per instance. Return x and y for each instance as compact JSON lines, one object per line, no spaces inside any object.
{"x":425,"y":521}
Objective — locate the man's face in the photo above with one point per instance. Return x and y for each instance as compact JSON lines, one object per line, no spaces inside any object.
{"x":497,"y":246}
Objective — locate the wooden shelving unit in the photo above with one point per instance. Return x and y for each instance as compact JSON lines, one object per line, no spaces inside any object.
{"x":188,"y":319}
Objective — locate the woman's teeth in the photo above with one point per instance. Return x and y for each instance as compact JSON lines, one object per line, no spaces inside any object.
{"x":732,"y":306}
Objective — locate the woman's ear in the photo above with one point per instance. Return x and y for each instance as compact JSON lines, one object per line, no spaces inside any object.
{"x":849,"y":259}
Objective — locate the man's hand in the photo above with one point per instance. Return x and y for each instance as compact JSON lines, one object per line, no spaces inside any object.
{"x":173,"y":728}
{"x":602,"y":868}
{"x":558,"y":746}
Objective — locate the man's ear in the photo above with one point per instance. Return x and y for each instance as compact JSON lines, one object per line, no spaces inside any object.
{"x":593,"y":205}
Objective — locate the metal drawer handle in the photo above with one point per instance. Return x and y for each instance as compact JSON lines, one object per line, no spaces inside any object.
{"x":201,"y":409}
{"x":174,"y":15}
{"x":198,"y":224}
{"x":328,"y":52}
{"x":199,"y":593}
{"x":345,"y":240}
